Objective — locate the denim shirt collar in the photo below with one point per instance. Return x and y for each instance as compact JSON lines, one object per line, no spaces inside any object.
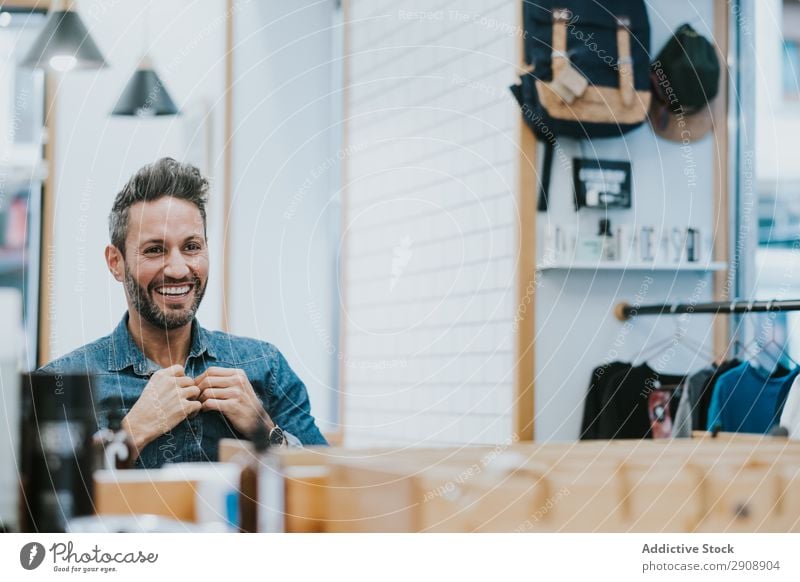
{"x":125,"y":353}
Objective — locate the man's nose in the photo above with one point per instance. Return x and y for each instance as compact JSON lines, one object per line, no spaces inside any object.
{"x":176,"y":266}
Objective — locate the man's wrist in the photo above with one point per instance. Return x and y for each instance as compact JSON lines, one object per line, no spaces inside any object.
{"x":274,"y":433}
{"x":265,"y":420}
{"x":140,"y":436}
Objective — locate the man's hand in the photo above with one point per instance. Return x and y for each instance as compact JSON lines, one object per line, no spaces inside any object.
{"x":168,"y":398}
{"x":227,"y":390}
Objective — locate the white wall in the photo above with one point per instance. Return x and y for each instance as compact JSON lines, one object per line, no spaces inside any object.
{"x":778,"y":121}
{"x":97,"y":153}
{"x":431,"y":223}
{"x":285,"y":207}
{"x":576,"y":330}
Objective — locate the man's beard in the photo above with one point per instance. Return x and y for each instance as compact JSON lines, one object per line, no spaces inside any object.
{"x":147,"y":308}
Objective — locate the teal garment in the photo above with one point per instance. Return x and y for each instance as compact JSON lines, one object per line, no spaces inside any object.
{"x":745,"y":398}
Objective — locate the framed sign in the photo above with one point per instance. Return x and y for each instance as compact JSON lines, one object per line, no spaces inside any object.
{"x":601,"y":183}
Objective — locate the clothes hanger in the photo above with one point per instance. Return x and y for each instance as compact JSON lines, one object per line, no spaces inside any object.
{"x":655,"y":349}
{"x":772,"y":362}
{"x":688,"y":342}
{"x":738,"y":349}
{"x":733,"y":351}
{"x":750,"y":355}
{"x":752,"y":351}
{"x":677,"y":338}
{"x":781,"y":354}
{"x":701,"y":349}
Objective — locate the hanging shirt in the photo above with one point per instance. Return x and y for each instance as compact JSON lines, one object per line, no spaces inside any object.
{"x":593,"y":405}
{"x":745,"y":398}
{"x":624,"y":412}
{"x":696,"y":394}
{"x":790,"y":415}
{"x":691,"y":390}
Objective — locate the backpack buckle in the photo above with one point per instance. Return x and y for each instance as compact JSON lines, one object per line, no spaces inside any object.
{"x":561,"y":14}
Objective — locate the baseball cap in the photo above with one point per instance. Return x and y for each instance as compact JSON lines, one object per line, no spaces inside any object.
{"x":685,"y":80}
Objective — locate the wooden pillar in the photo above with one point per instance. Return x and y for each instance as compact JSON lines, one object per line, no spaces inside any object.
{"x":527,"y":187}
{"x":721,"y":161}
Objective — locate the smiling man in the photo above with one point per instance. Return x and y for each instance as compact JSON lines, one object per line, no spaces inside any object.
{"x":181,"y":387}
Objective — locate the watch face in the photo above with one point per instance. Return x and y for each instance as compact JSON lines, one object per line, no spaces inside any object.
{"x":276,"y":437}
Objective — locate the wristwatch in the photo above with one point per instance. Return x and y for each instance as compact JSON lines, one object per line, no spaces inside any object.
{"x":276,"y":437}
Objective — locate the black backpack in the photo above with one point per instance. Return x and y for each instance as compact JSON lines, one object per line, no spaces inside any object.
{"x":589,"y":71}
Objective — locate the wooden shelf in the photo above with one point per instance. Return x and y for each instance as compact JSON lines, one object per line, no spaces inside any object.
{"x":618,"y":266}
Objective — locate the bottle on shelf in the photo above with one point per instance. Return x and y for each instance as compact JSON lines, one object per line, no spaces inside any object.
{"x":608,"y":251}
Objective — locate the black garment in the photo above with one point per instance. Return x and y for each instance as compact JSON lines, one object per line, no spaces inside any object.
{"x":624,"y":410}
{"x":593,"y":405}
{"x":700,"y":409}
{"x":616,"y":403}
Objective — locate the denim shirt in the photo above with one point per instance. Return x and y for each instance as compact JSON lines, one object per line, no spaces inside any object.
{"x":121,"y":370}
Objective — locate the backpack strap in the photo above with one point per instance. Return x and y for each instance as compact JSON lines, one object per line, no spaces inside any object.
{"x":625,"y":61}
{"x":547,"y":170}
{"x":559,"y":60}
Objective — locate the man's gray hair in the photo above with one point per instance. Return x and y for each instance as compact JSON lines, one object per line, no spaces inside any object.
{"x":164,"y":177}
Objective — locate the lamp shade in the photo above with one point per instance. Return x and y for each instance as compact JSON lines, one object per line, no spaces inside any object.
{"x":144,"y":96}
{"x":64,"y":44}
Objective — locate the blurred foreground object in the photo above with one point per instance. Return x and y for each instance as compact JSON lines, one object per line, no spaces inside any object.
{"x":58,"y":420}
{"x":11,"y":341}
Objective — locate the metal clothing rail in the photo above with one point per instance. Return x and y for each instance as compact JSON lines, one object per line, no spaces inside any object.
{"x":625,"y":311}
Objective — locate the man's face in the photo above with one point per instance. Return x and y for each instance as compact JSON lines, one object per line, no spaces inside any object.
{"x":166,"y":261}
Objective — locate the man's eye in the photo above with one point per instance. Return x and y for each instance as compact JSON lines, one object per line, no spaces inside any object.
{"x":194,"y":247}
{"x":152,"y":250}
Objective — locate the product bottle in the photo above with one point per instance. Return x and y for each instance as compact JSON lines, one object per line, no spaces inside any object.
{"x":113,"y":447}
{"x":607,"y":244}
{"x":58,"y":419}
{"x":248,"y":490}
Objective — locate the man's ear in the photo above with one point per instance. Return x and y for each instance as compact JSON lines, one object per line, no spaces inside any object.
{"x":115,"y":262}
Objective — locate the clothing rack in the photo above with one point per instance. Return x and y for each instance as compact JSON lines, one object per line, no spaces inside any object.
{"x":625,"y":311}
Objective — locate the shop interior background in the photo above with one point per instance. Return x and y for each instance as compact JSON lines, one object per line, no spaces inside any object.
{"x":374,"y":221}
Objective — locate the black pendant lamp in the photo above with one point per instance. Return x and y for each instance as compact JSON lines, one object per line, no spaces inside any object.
{"x":145,"y":95}
{"x":64,"y":44}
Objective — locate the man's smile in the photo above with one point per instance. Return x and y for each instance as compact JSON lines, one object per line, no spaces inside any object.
{"x":174,"y":294}
{"x":174,"y":290}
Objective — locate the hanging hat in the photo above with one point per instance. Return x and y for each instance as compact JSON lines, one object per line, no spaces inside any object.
{"x":685,"y":80}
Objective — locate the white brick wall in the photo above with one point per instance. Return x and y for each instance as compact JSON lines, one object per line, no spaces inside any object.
{"x":430,"y":208}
